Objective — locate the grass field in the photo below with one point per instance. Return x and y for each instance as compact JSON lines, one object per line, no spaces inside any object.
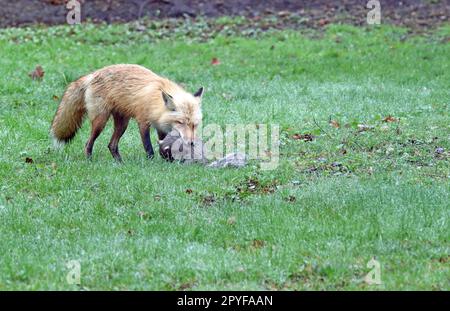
{"x":371,"y":187}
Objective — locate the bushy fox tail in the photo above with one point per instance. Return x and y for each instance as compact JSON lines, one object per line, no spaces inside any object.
{"x":70,"y":113}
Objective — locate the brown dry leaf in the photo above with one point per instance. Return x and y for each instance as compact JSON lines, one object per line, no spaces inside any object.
{"x":297,"y":136}
{"x":55,"y":97}
{"x":189,"y":191}
{"x":57,"y":2}
{"x":335,"y":124}
{"x":291,"y":199}
{"x":186,"y":286}
{"x":444,"y":259}
{"x":29,"y":160}
{"x":215,"y":61}
{"x":323,"y":22}
{"x":37,"y":73}
{"x":258,"y":243}
{"x":304,"y":137}
{"x":390,"y":119}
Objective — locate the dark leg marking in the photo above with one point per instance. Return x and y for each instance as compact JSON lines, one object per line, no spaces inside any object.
{"x":144,"y":129}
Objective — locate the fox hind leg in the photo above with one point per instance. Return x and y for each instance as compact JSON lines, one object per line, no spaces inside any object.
{"x":97,"y":126}
{"x":120,"y":126}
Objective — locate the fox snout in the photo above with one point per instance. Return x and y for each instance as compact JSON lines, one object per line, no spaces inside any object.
{"x":188,"y":133}
{"x":189,"y":139}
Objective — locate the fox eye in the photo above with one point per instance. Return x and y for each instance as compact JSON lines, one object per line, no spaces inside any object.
{"x":180,"y":122}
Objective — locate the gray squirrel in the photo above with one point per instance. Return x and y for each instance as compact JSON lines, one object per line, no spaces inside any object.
{"x":173,"y":148}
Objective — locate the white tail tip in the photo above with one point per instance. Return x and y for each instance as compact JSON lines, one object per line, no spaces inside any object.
{"x":57,"y":144}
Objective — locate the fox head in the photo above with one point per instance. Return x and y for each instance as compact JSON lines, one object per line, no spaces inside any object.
{"x":183,"y":114}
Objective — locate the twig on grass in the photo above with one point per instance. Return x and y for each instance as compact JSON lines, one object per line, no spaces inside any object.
{"x":320,"y":128}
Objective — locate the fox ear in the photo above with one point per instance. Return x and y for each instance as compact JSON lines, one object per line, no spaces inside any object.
{"x":168,"y":101}
{"x":200,"y":92}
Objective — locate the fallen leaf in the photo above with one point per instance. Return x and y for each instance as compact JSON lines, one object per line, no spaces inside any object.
{"x":323,"y":22}
{"x":55,"y":97}
{"x":335,"y":124}
{"x":56,"y":2}
{"x":209,"y":200}
{"x":29,"y":160}
{"x":188,"y":191}
{"x":390,"y":119}
{"x":291,"y":199}
{"x":37,"y":73}
{"x":258,"y":243}
{"x":284,"y":13}
{"x":364,"y":128}
{"x":444,"y":259}
{"x":304,"y":137}
{"x":251,"y":184}
{"x":185,"y":286}
{"x":215,"y":61}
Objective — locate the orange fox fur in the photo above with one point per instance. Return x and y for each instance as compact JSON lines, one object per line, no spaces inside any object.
{"x":125,"y":92}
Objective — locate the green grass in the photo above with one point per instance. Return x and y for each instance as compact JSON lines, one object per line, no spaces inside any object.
{"x":313,"y":223}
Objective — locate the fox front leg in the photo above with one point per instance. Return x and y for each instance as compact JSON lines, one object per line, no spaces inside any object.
{"x":144,"y":130}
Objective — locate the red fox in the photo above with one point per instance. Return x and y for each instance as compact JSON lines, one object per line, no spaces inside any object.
{"x":125,"y":92}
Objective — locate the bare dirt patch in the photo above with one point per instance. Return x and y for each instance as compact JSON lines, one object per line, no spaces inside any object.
{"x":417,"y":14}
